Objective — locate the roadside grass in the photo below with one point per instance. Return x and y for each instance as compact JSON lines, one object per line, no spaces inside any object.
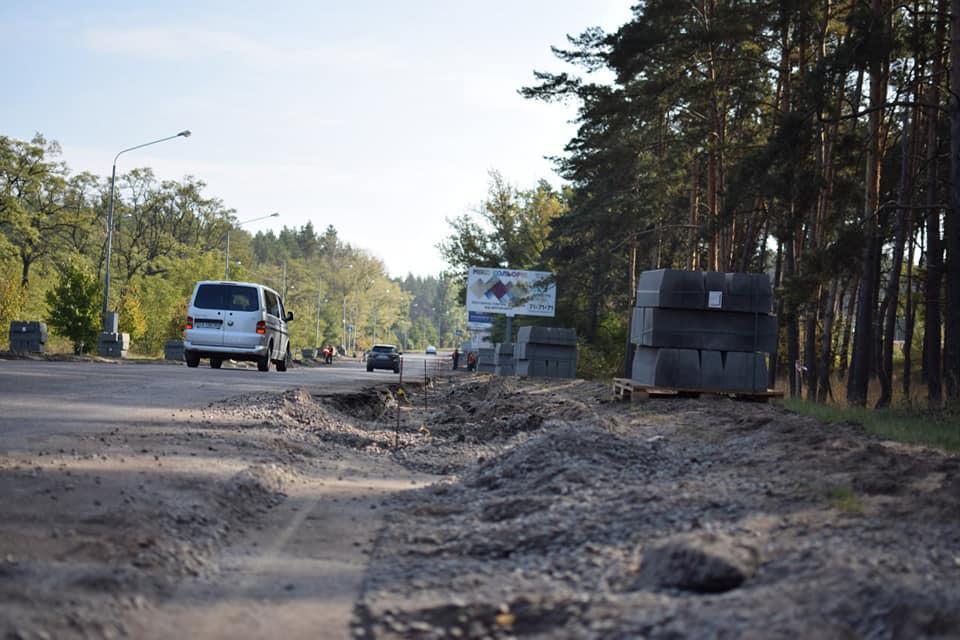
{"x":940,"y":429}
{"x":845,"y":499}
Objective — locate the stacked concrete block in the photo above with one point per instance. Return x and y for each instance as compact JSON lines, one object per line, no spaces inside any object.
{"x":692,"y":329}
{"x":173,"y":350}
{"x":485,"y":359}
{"x":503,"y":362}
{"x":28,"y":336}
{"x":703,"y":330}
{"x":546,"y":352}
{"x":669,"y":368}
{"x":112,"y":344}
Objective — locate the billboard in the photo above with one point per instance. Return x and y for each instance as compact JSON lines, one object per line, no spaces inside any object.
{"x":511,"y":292}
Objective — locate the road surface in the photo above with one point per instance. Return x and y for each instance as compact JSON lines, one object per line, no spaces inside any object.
{"x":42,"y":399}
{"x":98,"y":462}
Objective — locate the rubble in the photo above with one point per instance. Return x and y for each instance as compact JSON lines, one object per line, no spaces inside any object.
{"x":553,"y":513}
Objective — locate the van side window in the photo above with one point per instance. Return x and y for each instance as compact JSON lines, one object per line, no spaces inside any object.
{"x":273,"y":304}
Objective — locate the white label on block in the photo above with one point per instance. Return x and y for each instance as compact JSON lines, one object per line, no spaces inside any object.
{"x":716,"y":300}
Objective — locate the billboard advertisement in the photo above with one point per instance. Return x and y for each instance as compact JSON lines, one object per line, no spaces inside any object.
{"x":512,"y":292}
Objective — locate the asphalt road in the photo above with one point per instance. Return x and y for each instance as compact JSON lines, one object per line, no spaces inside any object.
{"x":40,"y":400}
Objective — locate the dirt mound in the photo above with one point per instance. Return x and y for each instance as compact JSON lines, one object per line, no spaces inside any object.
{"x":369,"y":404}
{"x":667,"y":519}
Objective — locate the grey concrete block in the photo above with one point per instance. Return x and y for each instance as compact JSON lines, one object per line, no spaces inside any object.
{"x":745,"y":371}
{"x":111,"y":322}
{"x":668,"y":368}
{"x":703,"y":329}
{"x":711,"y":370}
{"x":29,"y":327}
{"x":27,"y":343}
{"x":678,"y":289}
{"x":534,"y":351}
{"x":173,"y":350}
{"x":120,"y":338}
{"x":547,"y":335}
{"x":733,"y":371}
{"x":113,"y":345}
{"x":671,"y":288}
{"x":543,"y":368}
{"x":750,"y":292}
{"x":507,"y":368}
{"x":503,"y":349}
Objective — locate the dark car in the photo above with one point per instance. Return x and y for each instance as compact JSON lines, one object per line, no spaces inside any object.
{"x":383,"y":356}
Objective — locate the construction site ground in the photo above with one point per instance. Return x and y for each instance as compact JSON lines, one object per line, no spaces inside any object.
{"x":478,"y":507}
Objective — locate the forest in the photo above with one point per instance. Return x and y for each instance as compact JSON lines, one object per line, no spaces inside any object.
{"x":170,"y":234}
{"x":818,"y":142}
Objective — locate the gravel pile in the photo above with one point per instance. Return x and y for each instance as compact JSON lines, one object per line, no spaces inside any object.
{"x":565,"y":516}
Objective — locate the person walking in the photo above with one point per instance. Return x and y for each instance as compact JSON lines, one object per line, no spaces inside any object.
{"x":456,"y":358}
{"x":472,"y":361}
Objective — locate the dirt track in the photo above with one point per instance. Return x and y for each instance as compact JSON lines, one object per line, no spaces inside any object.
{"x":510,"y":509}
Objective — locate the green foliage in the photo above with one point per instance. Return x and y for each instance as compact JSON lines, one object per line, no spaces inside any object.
{"x":74,"y":307}
{"x":167,"y":236}
{"x":12,"y":298}
{"x":603,"y":359}
{"x":132,"y":318}
{"x":510,"y":229}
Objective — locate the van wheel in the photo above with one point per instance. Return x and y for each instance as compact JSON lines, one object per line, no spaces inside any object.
{"x":193,"y":360}
{"x":215,"y":363}
{"x":282,"y":364}
{"x":263,"y":364}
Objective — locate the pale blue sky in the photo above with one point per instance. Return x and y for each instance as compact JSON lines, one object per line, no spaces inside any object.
{"x":380,"y":118}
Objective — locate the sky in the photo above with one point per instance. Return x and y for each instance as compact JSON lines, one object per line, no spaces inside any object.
{"x":381,"y":118}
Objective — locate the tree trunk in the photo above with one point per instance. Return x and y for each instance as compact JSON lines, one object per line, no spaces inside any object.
{"x":792,"y":322}
{"x":909,"y":317}
{"x":892,"y":293}
{"x":931,"y":289}
{"x":863,"y":337}
{"x":826,"y":342}
{"x":774,"y":369}
{"x":810,"y":349}
{"x":853,"y":294}
{"x":951,"y":225}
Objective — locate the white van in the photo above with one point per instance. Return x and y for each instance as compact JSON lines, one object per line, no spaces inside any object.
{"x":237,"y":321}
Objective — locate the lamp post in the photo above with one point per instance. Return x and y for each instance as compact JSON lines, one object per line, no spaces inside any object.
{"x":316,"y":340}
{"x":226,"y":253}
{"x":113,"y":179}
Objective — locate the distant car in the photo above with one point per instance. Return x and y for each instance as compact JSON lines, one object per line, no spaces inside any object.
{"x":383,"y":356}
{"x":237,"y":321}
{"x":431,"y":350}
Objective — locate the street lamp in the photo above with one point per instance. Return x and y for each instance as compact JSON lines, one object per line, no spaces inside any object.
{"x":226,"y":253}
{"x":113,"y":178}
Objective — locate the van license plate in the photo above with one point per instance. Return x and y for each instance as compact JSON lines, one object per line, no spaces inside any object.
{"x":208,"y":324}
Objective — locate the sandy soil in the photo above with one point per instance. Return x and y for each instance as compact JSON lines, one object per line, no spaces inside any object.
{"x":489,"y":508}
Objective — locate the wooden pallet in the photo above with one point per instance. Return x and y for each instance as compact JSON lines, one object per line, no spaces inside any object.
{"x":625,"y":389}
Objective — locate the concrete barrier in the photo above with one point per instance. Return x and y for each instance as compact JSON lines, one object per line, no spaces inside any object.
{"x":173,"y":350}
{"x":113,"y":344}
{"x":28,"y":336}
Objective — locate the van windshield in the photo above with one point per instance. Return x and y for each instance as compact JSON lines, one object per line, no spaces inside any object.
{"x":229,"y":297}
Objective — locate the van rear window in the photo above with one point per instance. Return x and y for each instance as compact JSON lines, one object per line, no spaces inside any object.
{"x":229,"y":297}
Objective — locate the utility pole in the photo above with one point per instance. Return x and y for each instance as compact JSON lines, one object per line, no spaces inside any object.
{"x":316,"y":341}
